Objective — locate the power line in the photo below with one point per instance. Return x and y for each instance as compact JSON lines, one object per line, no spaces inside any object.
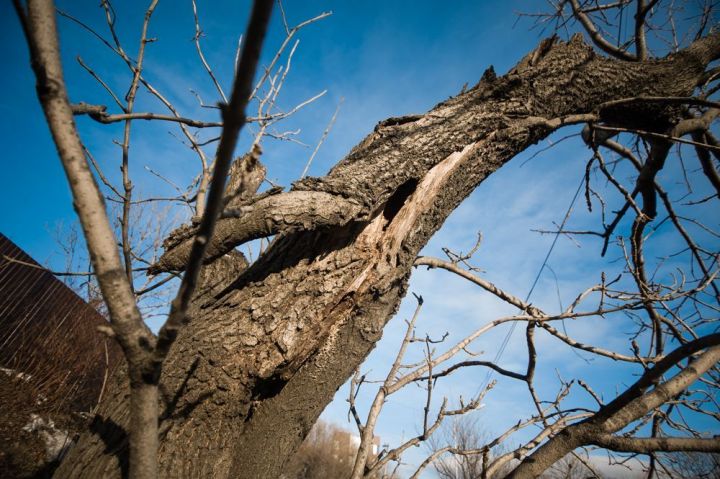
{"x":506,"y":340}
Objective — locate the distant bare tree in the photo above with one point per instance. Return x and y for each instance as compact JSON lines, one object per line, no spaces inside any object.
{"x":463,"y":433}
{"x":570,"y":467}
{"x":694,"y":465}
{"x":327,"y":451}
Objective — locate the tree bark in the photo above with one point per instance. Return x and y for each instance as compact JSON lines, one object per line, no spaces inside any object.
{"x":270,"y":344}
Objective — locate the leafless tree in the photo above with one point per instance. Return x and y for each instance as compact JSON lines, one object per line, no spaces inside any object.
{"x":258,"y":350}
{"x":327,"y":451}
{"x":569,"y":467}
{"x":145,"y":352}
{"x":694,"y":465}
{"x":465,"y":433}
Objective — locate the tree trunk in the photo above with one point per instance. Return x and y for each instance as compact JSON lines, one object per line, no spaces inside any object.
{"x":269,"y":345}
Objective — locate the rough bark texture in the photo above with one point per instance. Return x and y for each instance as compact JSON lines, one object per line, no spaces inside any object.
{"x":269,"y":345}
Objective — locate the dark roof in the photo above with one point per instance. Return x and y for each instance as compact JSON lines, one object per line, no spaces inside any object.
{"x":50,"y":333}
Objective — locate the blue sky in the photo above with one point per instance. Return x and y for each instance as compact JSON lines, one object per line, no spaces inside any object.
{"x":383,"y":59}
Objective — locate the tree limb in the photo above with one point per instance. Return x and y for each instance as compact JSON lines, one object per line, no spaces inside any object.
{"x":645,"y":445}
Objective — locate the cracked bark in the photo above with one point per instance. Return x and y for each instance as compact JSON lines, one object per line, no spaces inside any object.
{"x":270,"y":344}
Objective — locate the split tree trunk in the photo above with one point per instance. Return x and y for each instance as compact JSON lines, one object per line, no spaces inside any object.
{"x":269,"y":345}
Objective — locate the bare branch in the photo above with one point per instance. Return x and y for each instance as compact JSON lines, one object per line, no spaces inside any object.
{"x":196,"y":38}
{"x":41,"y":32}
{"x":233,"y":119}
{"x":99,"y":114}
{"x":595,"y":35}
{"x":322,"y":139}
{"x":280,"y":50}
{"x":629,"y":406}
{"x":9,"y":259}
{"x":645,"y":445}
{"x":368,"y":429}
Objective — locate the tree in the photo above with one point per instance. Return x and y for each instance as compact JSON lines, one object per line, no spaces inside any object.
{"x":465,"y":434}
{"x":695,"y":465}
{"x":326,"y":452}
{"x":269,"y":343}
{"x":569,"y":467}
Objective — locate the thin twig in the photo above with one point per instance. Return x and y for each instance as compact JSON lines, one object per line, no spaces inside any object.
{"x":322,"y":139}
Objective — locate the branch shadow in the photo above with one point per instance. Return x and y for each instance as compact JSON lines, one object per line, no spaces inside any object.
{"x":115,"y":438}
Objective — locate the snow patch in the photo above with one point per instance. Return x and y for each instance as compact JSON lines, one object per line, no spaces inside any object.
{"x":57,"y":441}
{"x":17,"y":375}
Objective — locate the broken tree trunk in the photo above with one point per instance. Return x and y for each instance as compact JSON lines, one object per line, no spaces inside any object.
{"x":270,"y":344}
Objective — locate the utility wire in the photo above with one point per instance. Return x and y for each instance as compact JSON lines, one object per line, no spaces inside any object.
{"x":506,"y":340}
